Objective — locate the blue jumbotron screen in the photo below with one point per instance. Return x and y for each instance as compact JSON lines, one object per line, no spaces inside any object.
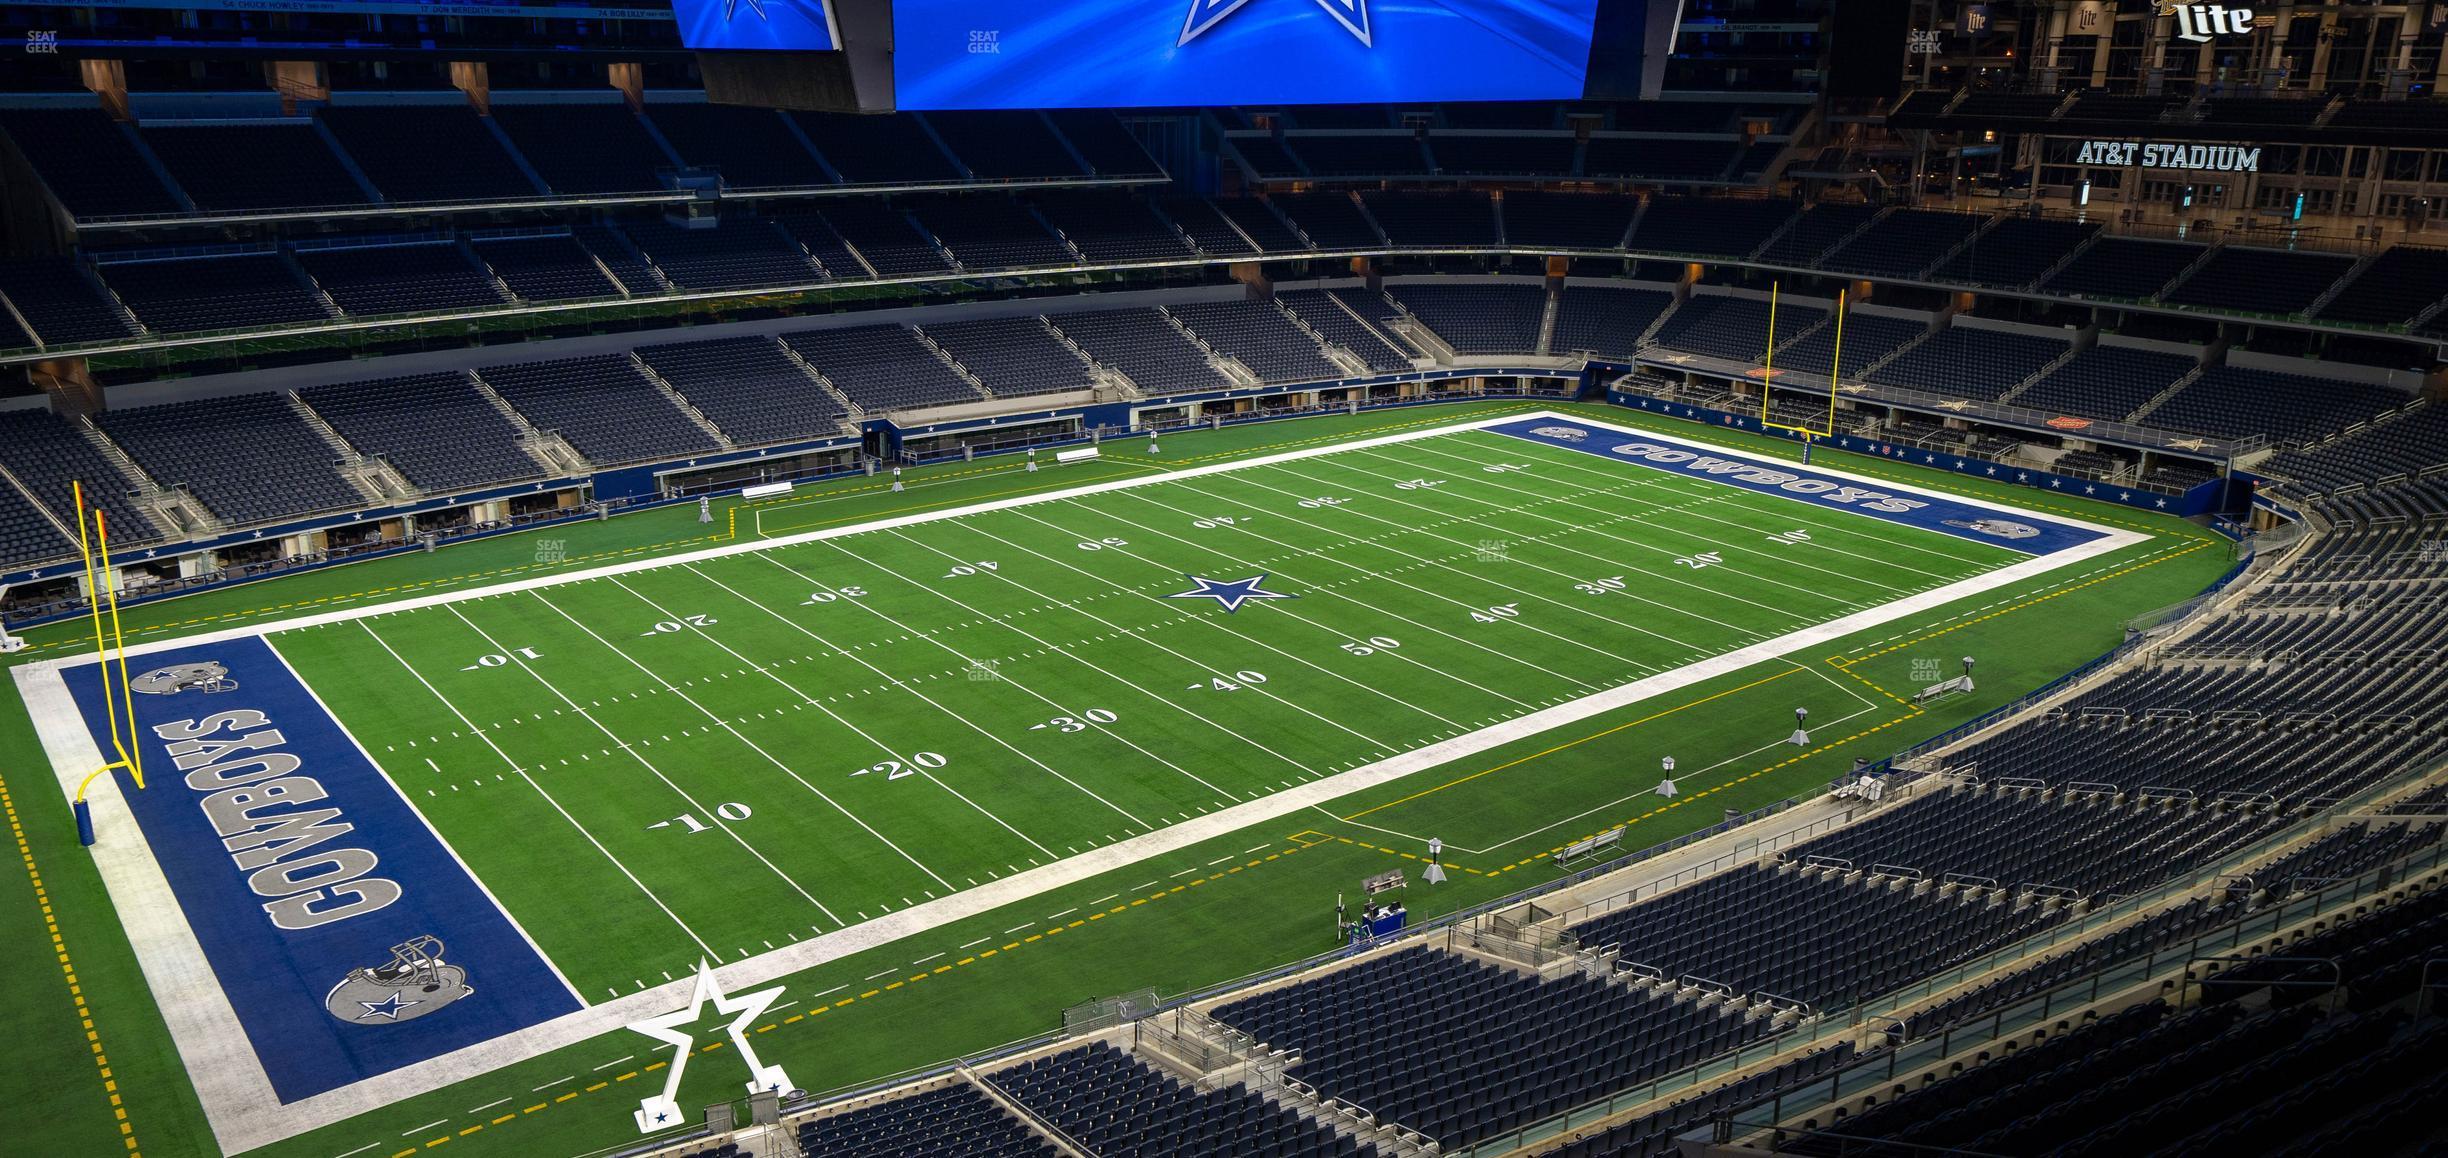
{"x":983,"y":54}
{"x":775,"y":25}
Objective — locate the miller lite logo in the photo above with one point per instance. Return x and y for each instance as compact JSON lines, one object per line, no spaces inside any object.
{"x":2200,"y":22}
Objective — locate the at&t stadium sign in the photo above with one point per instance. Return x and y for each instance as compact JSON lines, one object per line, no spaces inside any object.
{"x":2201,"y":158}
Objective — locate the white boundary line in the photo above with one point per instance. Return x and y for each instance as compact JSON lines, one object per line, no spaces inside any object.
{"x":237,"y":1100}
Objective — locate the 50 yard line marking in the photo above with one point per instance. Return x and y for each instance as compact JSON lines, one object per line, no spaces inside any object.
{"x":1067,"y":652}
{"x":1100,"y":581}
{"x":869,"y":607}
{"x":1336,"y":631}
{"x":1219,"y":623}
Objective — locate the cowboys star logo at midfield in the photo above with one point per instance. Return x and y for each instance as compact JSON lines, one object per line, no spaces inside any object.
{"x":1231,"y":593}
{"x":1353,"y":15}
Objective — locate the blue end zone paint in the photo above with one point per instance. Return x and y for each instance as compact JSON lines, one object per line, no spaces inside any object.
{"x":2014,"y":530}
{"x":277,"y":979}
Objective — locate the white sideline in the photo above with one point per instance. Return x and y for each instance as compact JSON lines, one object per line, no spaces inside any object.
{"x":229,"y":1080}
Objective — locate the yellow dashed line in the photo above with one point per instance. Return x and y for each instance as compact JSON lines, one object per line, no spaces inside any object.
{"x":76,"y":991}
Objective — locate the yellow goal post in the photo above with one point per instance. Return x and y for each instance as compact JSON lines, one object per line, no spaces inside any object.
{"x":1767,"y":374}
{"x":119,"y":702}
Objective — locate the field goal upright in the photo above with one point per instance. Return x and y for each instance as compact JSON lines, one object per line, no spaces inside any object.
{"x":102,"y":590}
{"x":1767,"y":375}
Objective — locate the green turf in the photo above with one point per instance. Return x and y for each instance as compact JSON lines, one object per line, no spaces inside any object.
{"x":718,"y":757}
{"x":1478,"y":540}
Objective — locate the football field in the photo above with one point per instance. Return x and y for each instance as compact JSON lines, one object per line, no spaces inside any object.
{"x":774,"y":754}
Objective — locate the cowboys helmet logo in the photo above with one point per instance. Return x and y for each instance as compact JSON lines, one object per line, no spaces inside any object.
{"x":1567,"y":433}
{"x":1999,"y":528}
{"x":413,"y":983}
{"x":202,"y":676}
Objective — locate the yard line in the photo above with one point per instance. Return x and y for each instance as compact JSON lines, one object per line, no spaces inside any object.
{"x":1782,"y":560}
{"x":633,"y":753}
{"x":868,"y":607}
{"x":538,"y":1089}
{"x":1303,"y":618}
{"x":812,"y":702}
{"x":1430,"y":561}
{"x":366,"y":1147}
{"x":1346,"y":598}
{"x":1746,"y":635}
{"x":1585,"y":646}
{"x":1818,"y":521}
{"x":1140,"y":636}
{"x":1067,"y":653}
{"x":601,"y":1068}
{"x":1219,"y":624}
{"x":427,"y":1126}
{"x":490,"y":1105}
{"x":539,"y":789}
{"x":1559,"y":544}
{"x":1715,"y":497}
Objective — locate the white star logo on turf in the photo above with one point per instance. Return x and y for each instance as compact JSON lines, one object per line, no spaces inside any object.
{"x":388,"y":1007}
{"x":1230,"y":593}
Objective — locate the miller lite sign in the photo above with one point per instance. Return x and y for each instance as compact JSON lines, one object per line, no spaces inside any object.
{"x":2202,"y":22}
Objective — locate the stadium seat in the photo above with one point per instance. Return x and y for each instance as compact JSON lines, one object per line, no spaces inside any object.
{"x":882,"y":368}
{"x":603,"y":405}
{"x":287,"y":471}
{"x":435,"y":429}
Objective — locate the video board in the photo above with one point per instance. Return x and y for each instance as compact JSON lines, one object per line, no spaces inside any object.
{"x":757,"y":25}
{"x":979,"y":54}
